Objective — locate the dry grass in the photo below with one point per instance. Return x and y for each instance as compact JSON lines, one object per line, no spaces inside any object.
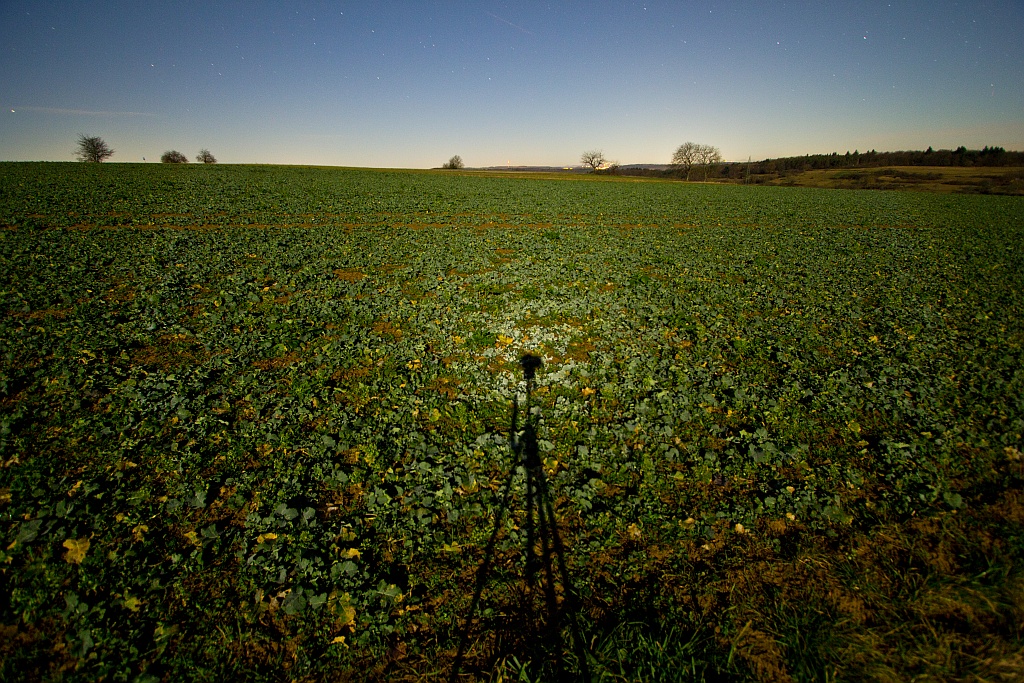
{"x":981,"y":180}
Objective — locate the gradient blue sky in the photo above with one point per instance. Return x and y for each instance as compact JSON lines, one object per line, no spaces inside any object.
{"x":408,"y":84}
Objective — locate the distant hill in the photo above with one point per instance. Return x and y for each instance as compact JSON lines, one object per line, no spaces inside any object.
{"x":536,"y":169}
{"x":991,"y":170}
{"x":960,"y":157}
{"x":624,"y":169}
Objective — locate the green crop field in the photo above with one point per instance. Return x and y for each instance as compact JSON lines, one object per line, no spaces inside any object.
{"x":285,"y":423}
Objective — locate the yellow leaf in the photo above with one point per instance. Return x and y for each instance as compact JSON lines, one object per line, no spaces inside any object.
{"x":634,"y":532}
{"x":873,"y":338}
{"x":351,"y":553}
{"x":139,"y":532}
{"x":77,"y":548}
{"x":132,"y":603}
{"x":265,"y":537}
{"x":740,"y":529}
{"x":193,"y":538}
{"x":504,"y":341}
{"x":587,"y":391}
{"x":348,"y":615}
{"x":338,"y":640}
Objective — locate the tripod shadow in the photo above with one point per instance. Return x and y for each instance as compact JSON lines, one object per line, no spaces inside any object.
{"x":534,"y":628}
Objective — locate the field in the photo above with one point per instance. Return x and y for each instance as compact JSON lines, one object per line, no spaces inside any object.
{"x":962,"y":179}
{"x":285,"y":423}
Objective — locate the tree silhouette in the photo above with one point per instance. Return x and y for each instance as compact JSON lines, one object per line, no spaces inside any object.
{"x":593,"y":158}
{"x":690,"y":154}
{"x":454,"y":163}
{"x":92,"y":148}
{"x":174,"y":157}
{"x":684,"y":158}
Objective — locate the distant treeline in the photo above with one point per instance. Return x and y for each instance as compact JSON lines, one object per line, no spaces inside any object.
{"x":961,"y":156}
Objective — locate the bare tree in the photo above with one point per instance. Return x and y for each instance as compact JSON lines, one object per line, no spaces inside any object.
{"x":204,"y":157}
{"x":174,"y":157}
{"x":690,"y":154}
{"x":708,"y":157}
{"x":454,"y":163}
{"x":593,"y":158}
{"x":685,"y":157}
{"x":92,"y":148}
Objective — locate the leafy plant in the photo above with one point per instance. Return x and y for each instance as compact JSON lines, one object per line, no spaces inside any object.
{"x":261,"y":422}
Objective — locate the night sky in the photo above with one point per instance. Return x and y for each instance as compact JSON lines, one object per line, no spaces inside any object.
{"x":408,"y":84}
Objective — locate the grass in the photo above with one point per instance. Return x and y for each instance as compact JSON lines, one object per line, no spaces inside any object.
{"x":942,"y":179}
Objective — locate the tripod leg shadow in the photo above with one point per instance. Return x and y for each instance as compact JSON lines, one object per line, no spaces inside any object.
{"x":539,"y":634}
